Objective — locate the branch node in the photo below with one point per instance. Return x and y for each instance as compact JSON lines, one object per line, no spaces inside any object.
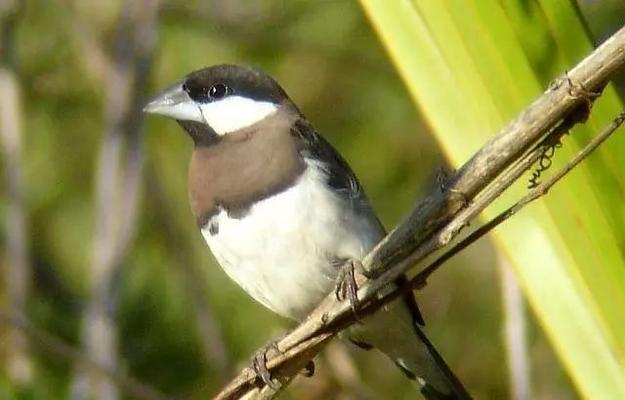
{"x":577,"y":90}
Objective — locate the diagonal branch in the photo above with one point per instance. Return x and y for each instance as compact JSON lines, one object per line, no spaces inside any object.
{"x":540,"y":190}
{"x":439,"y":217}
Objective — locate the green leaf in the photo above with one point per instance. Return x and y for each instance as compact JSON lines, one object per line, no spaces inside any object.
{"x":472,"y":66}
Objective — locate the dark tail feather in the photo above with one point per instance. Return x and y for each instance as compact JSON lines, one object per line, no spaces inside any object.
{"x":429,"y":392}
{"x":393,"y":332}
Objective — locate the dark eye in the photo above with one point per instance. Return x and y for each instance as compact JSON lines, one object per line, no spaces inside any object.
{"x":218,"y":91}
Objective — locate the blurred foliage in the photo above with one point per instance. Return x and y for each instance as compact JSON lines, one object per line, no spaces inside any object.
{"x":328,"y":59}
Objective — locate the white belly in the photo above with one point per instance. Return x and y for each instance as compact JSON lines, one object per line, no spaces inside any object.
{"x":280,"y":252}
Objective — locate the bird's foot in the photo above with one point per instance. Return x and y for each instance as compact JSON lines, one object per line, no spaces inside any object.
{"x":346,"y":285}
{"x":259,"y":364}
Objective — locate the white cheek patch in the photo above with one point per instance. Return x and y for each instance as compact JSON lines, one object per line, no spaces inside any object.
{"x":235,"y":112}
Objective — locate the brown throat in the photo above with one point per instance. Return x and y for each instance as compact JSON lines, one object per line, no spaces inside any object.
{"x":244,"y":166}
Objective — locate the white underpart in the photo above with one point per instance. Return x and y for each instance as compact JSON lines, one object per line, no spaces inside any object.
{"x":280,"y":251}
{"x":235,"y":112}
{"x":279,"y":254}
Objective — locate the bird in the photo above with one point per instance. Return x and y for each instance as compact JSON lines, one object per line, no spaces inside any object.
{"x":282,"y":211}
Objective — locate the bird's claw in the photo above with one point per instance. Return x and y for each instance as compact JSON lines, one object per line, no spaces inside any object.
{"x":346,"y":285}
{"x":259,"y":365}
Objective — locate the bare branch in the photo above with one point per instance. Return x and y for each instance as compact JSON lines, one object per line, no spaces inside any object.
{"x":540,"y":190}
{"x":440,"y":216}
{"x":420,"y":279}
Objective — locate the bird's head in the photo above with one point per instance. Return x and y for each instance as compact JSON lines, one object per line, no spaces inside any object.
{"x":218,"y":100}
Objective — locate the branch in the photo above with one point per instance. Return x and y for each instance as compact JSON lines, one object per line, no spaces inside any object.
{"x":419,"y":280}
{"x":439,"y":217}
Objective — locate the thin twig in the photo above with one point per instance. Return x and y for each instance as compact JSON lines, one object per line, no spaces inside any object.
{"x":420,"y":279}
{"x":442,"y":214}
{"x":542,"y":189}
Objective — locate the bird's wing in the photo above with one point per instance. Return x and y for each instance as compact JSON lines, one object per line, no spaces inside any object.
{"x":406,"y":344}
{"x":313,"y":147}
{"x":341,"y":179}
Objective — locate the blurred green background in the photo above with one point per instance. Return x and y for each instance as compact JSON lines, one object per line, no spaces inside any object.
{"x":83,"y":69}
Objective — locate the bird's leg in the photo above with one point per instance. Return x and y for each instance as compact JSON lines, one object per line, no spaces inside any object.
{"x":259,"y":364}
{"x":346,"y":285}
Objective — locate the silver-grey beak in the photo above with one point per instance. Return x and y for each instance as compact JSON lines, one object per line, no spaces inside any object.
{"x":175,"y":103}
